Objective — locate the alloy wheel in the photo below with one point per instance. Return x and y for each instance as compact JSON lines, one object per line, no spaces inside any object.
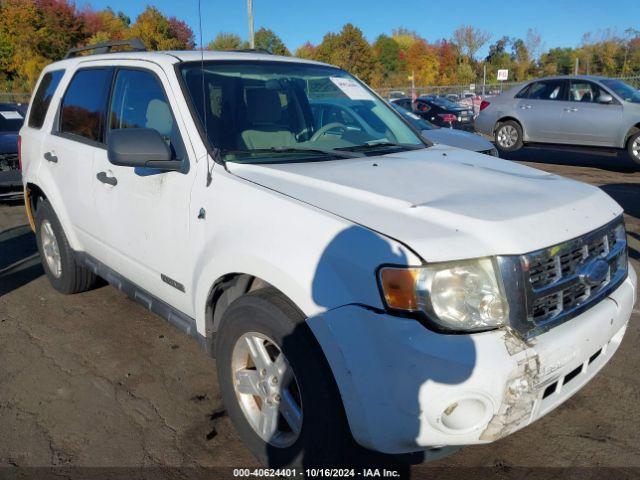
{"x":267,"y":389}
{"x":635,"y":148}
{"x":50,"y":249}
{"x":507,"y":136}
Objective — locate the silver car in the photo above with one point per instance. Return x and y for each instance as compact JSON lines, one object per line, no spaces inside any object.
{"x":577,"y":110}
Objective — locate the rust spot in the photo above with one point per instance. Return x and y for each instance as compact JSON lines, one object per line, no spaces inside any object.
{"x":451,"y":408}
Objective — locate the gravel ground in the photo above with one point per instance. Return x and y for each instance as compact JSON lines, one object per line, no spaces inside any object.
{"x":95,"y":380}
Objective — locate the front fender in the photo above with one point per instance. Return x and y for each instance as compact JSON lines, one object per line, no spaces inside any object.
{"x":318,"y":260}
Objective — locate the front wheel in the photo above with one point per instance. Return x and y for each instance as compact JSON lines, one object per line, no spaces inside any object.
{"x":508,"y":136}
{"x":633,"y":147}
{"x":277,"y":385}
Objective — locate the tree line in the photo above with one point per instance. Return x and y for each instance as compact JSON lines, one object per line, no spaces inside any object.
{"x":34,"y":33}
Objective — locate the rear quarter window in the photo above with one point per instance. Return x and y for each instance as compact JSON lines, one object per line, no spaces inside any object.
{"x":42,"y":99}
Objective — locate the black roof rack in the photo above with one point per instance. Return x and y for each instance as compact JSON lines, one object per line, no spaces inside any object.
{"x":252,"y":50}
{"x":135,"y":44}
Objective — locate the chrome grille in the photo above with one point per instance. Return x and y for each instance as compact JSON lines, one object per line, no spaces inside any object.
{"x":555,"y":284}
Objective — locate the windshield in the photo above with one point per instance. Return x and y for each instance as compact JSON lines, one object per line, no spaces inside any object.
{"x":417,"y":122}
{"x":624,"y":90}
{"x":256,"y":111}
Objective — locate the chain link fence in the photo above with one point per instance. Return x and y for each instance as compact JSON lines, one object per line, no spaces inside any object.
{"x":469,"y":95}
{"x":14,"y":97}
{"x":469,"y":89}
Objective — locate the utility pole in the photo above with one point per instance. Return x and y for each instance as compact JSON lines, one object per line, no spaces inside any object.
{"x":484,"y":78}
{"x":252,"y":40}
{"x":577,"y":66}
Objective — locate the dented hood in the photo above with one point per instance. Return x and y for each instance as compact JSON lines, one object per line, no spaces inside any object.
{"x":444,"y":203}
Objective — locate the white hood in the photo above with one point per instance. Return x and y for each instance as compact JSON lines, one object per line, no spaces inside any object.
{"x":445,"y":203}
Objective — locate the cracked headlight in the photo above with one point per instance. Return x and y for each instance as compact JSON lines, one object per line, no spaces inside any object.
{"x":465,"y":295}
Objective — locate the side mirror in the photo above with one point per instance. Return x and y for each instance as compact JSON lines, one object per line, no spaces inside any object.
{"x":140,"y":147}
{"x":605,"y":98}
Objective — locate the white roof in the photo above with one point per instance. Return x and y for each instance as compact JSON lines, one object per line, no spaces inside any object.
{"x":171,"y":57}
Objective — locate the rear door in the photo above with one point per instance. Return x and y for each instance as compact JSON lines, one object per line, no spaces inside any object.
{"x":585,"y":121}
{"x":540,"y":110}
{"x":78,"y":133}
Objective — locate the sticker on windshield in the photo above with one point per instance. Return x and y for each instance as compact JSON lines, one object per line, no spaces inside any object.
{"x":351,"y":88}
{"x":11,"y":115}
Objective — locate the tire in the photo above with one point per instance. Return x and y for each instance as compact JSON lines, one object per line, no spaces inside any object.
{"x":66,"y":275}
{"x":508,"y":136}
{"x":633,"y":148}
{"x":324,"y":435}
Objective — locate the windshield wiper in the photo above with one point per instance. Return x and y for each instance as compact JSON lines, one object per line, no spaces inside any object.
{"x":325,"y":151}
{"x":374,"y":145}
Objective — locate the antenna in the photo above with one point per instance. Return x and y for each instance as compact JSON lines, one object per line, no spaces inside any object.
{"x":204,"y":102}
{"x":252,"y":40}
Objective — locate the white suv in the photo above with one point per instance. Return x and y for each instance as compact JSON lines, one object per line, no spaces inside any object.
{"x":351,"y":284}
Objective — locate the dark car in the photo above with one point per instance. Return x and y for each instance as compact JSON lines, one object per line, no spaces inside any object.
{"x":447,"y":136}
{"x":439,"y":111}
{"x":11,"y":119}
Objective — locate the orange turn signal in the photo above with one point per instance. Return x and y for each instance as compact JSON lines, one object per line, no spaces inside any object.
{"x":399,"y":287}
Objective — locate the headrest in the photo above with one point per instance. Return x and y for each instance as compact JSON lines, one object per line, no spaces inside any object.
{"x":159,"y":117}
{"x":263,"y":106}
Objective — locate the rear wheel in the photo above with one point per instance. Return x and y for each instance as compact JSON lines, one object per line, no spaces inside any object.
{"x":277,"y":385}
{"x":633,"y":147}
{"x":508,"y":136}
{"x":60,"y":265}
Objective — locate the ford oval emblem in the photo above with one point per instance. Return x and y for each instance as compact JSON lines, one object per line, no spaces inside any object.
{"x":594,"y":272}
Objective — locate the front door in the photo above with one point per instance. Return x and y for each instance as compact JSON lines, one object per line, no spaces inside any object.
{"x":145,"y":212}
{"x":586,"y":121}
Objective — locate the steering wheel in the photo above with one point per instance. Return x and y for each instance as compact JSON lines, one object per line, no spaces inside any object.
{"x":323,"y":130}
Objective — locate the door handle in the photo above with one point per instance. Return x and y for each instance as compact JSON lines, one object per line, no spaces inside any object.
{"x":102,"y":176}
{"x":525,"y":107}
{"x":572,"y":109}
{"x":50,"y":157}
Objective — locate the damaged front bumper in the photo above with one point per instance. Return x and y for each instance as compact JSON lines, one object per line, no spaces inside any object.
{"x":406,"y":388}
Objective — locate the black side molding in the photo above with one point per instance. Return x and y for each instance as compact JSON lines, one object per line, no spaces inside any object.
{"x":175,"y":317}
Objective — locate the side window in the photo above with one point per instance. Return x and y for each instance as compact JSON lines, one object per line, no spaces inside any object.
{"x":83,"y":109}
{"x":581,"y":91}
{"x":524,"y":93}
{"x":139,"y":101}
{"x":547,"y":90}
{"x":43,"y":96}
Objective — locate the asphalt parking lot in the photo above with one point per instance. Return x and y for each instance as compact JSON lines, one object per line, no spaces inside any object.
{"x":95,"y":380}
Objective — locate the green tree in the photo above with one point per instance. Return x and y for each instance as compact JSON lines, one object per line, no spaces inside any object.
{"x":267,"y":40}
{"x":307,"y":51}
{"x":387,"y":52}
{"x":226,"y":41}
{"x":349,"y":50}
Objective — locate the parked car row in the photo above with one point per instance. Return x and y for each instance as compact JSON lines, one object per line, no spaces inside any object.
{"x":578,"y":110}
{"x":11,"y":119}
{"x":439,"y":111}
{"x":447,"y":136}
